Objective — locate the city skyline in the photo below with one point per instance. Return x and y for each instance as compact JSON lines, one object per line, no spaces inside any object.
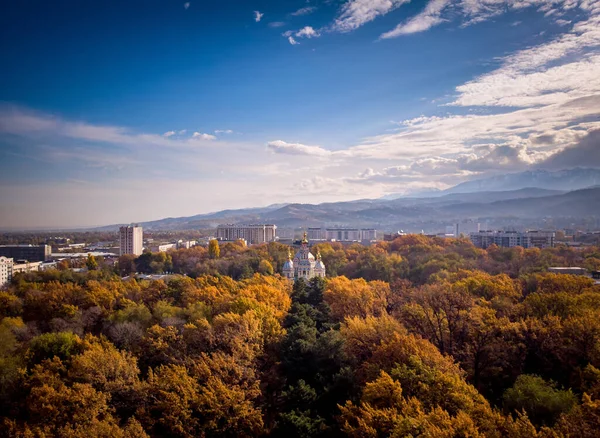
{"x":117,"y":113}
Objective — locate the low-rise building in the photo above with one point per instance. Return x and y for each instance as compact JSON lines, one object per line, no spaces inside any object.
{"x":568,"y":270}
{"x":163,"y":247}
{"x":26,"y":266}
{"x":389,"y":237}
{"x":186,"y":244}
{"x":33,"y":253}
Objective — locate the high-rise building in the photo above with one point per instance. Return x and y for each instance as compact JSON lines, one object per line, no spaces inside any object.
{"x":509,"y":239}
{"x":249,"y":233}
{"x":317,"y":234}
{"x":31,"y":253}
{"x":6,"y":270}
{"x":131,"y":239}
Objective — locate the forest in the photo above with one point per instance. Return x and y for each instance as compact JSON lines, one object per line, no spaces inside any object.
{"x":419,"y":337}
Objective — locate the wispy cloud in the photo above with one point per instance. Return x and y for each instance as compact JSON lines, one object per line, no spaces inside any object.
{"x":186,"y":5}
{"x":276,"y":24}
{"x":169,"y":134}
{"x":476,"y":11}
{"x":258,"y":16}
{"x":356,"y":13}
{"x":18,"y":121}
{"x":430,"y":17}
{"x":545,"y":74}
{"x":292,"y":41}
{"x":223,"y":131}
{"x":304,"y":11}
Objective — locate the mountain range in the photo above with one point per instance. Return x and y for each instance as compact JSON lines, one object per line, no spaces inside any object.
{"x":525,"y":196}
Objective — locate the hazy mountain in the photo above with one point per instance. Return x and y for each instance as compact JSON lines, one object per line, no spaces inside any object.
{"x":566,"y":180}
{"x":207,"y":220}
{"x":522,"y":204}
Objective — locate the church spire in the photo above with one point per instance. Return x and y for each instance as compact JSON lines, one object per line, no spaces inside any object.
{"x":305,"y":238}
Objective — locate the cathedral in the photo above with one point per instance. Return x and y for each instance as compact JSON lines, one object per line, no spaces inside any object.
{"x":304,"y":264}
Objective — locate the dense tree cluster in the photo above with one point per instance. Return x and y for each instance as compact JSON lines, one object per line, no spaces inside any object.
{"x":417,"y":337}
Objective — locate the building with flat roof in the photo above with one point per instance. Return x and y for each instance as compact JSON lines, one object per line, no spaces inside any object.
{"x":26,"y":267}
{"x":253,"y":233}
{"x":6,"y":270}
{"x":31,"y":253}
{"x":571,"y":270}
{"x":509,"y":239}
{"x":131,"y":240}
{"x":342,"y":234}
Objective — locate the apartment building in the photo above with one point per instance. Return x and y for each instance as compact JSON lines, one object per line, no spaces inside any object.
{"x":6,"y":270}
{"x":253,"y":233}
{"x":131,"y":240}
{"x":509,"y":239}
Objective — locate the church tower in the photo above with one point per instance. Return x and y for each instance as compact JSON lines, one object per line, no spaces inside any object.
{"x":288,"y":267}
{"x":304,"y":264}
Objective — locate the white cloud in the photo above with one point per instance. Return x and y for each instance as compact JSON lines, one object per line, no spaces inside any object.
{"x":202,"y":136}
{"x":562,"y":22}
{"x":169,"y":134}
{"x":292,"y":41}
{"x":277,"y":24}
{"x":17,"y":121}
{"x":186,"y":5}
{"x":356,"y":13}
{"x":476,"y":11}
{"x":282,"y":147}
{"x":304,"y":11}
{"x":425,"y":20}
{"x":542,"y":75}
{"x":223,"y":131}
{"x":258,"y":16}
{"x":307,"y":32}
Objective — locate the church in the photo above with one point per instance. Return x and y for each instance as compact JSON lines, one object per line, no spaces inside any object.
{"x":304,"y":264}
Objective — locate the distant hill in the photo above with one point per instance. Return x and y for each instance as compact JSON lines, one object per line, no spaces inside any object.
{"x":526,"y":203}
{"x":565,"y":180}
{"x":207,"y":220}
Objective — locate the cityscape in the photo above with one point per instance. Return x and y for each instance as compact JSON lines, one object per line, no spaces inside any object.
{"x":300,"y":219}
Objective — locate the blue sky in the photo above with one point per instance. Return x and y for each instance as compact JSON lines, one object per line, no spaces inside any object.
{"x":123,"y":111}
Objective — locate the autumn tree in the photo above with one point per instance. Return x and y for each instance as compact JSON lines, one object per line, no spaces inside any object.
{"x":213,"y":249}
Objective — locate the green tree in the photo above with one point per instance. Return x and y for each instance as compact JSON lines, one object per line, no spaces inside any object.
{"x":91,"y":263}
{"x":541,"y":400}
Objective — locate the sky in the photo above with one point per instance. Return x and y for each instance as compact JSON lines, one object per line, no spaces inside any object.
{"x":127,"y":111}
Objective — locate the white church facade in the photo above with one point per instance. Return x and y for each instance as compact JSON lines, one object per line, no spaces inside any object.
{"x":304,"y":265}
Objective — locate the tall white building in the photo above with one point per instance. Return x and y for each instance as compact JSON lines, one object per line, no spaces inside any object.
{"x":131,"y":239}
{"x":6,"y":270}
{"x":304,"y":264}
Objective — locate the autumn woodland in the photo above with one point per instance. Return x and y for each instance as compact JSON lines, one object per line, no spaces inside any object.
{"x":418,"y":337}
